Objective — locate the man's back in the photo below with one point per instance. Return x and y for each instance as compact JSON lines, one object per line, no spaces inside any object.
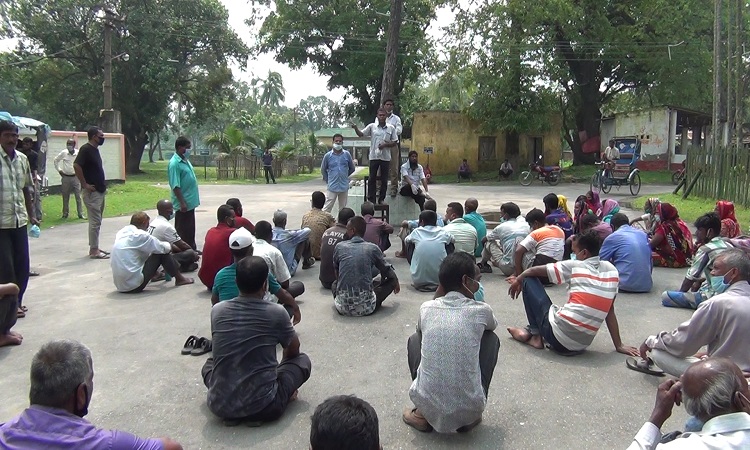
{"x":40,"y":427}
{"x":216,"y":253}
{"x":130,"y":251}
{"x":318,"y":221}
{"x":464,"y":234}
{"x":429,"y":252}
{"x":477,"y":221}
{"x":273,"y":258}
{"x":286,"y":241}
{"x":161,"y":229}
{"x":330,"y":239}
{"x":375,"y":227}
{"x":548,"y":240}
{"x":508,"y":234}
{"x":628,"y":249}
{"x":448,"y":388}
{"x":245,"y":333}
{"x":355,"y":260}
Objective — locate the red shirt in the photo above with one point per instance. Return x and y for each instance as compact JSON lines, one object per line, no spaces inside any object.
{"x":241,"y":222}
{"x":216,"y":253}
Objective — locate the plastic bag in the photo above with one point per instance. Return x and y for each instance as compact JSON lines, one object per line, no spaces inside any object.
{"x":34,"y":231}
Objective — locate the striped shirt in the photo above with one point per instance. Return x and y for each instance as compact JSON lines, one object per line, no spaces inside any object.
{"x":15,"y":174}
{"x":548,"y":240}
{"x":592,"y":286}
{"x":703,"y":262}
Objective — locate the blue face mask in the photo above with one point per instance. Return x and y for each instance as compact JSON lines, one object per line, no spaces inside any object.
{"x":187,"y":153}
{"x":171,"y":216}
{"x":718,"y":285}
{"x":479,"y":294}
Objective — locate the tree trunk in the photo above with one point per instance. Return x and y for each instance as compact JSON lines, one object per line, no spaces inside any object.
{"x":158,"y":146}
{"x":135,"y":144}
{"x":391,"y":51}
{"x":151,"y":148}
{"x":588,"y":117}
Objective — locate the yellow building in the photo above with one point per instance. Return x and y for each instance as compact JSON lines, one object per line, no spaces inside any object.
{"x":444,"y":138}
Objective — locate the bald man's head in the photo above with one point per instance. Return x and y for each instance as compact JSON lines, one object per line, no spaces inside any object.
{"x":471,"y":205}
{"x":714,"y":387}
{"x":165,"y":208}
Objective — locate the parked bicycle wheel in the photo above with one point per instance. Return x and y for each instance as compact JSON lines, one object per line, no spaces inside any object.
{"x":526,"y":178}
{"x":635,"y":184}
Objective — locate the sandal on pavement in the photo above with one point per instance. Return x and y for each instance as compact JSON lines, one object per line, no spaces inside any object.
{"x":202,"y":346}
{"x":416,"y":420}
{"x":20,"y":313}
{"x":189,"y":345}
{"x":100,"y":255}
{"x":24,"y":308}
{"x":646,"y":366}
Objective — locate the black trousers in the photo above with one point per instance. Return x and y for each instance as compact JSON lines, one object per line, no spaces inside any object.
{"x":185,"y":259}
{"x":383,"y":166}
{"x":14,"y":259}
{"x":152,"y":264}
{"x":269,"y":171}
{"x":420,"y":199}
{"x":488,"y":350}
{"x":184,"y":223}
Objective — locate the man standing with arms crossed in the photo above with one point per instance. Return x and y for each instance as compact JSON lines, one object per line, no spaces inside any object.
{"x":184,"y":188}
{"x":16,"y":211}
{"x":394,"y":120}
{"x":90,"y":172}
{"x":69,"y":183}
{"x":336,"y":167}
{"x":383,"y":137}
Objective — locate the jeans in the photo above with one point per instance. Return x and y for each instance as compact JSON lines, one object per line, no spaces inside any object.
{"x":488,"y":350}
{"x":383,"y":166}
{"x":184,"y":223}
{"x":94,"y":202}
{"x":537,"y":304}
{"x":269,"y":171}
{"x":14,"y":262}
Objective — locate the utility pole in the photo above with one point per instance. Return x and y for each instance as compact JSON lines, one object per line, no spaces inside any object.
{"x":109,"y":118}
{"x":391,"y":51}
{"x":716,"y":115}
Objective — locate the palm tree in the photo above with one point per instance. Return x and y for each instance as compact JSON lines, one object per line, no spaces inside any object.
{"x":232,"y":142}
{"x":273,"y":91}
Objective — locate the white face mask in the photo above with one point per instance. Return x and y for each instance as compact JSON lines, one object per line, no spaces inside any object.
{"x":337,"y":146}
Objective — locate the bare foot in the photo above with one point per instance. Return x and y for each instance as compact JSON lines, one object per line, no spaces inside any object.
{"x":294,"y":396}
{"x":9,"y":339}
{"x":184,"y":281}
{"x":14,"y":334}
{"x":523,"y":335}
{"x":400,"y":255}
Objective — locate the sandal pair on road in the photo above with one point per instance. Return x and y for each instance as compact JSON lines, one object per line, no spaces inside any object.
{"x":646,"y":366}
{"x":196,"y":346}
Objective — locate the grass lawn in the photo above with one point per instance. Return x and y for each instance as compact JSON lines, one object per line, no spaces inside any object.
{"x":694,"y":207}
{"x":156,"y":172}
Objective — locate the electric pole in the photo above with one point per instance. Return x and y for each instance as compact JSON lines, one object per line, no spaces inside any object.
{"x":391,"y":51}
{"x":107,"y":85}
{"x":716,"y":114}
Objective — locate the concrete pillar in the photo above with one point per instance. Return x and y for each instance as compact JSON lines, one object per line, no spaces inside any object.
{"x":109,"y":121}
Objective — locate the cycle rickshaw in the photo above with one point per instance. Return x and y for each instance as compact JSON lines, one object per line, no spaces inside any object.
{"x":624,"y":172}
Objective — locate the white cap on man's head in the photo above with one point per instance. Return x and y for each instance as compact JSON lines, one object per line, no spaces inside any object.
{"x":241,"y":238}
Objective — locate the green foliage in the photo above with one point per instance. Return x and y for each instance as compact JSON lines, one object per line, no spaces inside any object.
{"x":232,"y":141}
{"x":345,"y":40}
{"x":183,"y":59}
{"x":273,"y":92}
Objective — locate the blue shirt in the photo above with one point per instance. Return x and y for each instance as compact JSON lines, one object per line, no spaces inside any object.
{"x":628,"y":249}
{"x":287,"y":241}
{"x":225,"y":283}
{"x":336,"y":168}
{"x":182,"y":175}
{"x":477,"y":221}
{"x":415,"y":223}
{"x":429,"y":252}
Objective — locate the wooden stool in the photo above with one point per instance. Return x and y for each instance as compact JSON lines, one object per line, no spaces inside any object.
{"x":383,"y":208}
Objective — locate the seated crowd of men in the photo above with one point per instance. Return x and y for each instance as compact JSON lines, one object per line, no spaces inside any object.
{"x":452,"y":355}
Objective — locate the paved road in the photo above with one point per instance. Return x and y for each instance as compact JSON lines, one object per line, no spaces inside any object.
{"x":144,"y":385}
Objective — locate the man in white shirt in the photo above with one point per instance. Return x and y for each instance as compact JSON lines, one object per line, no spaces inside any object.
{"x":394,"y":120}
{"x":383,"y":137}
{"x":500,"y":244}
{"x":413,"y":181}
{"x":274,"y":258}
{"x":161,"y":229}
{"x":69,"y":182}
{"x":136,"y":256}
{"x":715,"y":392}
{"x":464,"y":234}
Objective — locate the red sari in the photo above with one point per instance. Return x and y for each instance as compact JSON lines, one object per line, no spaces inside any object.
{"x":677,"y":245}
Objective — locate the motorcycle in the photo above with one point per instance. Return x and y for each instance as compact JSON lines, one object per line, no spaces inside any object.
{"x":545,"y":174}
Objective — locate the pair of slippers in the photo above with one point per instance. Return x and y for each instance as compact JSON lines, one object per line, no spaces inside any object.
{"x":196,"y":346}
{"x":646,"y":366}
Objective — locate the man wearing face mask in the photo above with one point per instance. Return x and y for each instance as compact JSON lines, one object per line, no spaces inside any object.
{"x":62,"y":384}
{"x":720,"y":323}
{"x":184,"y":186}
{"x":413,"y":180}
{"x":699,"y":284}
{"x":90,"y":172}
{"x":336,"y":167}
{"x":161,"y":229}
{"x":453,"y":354}
{"x":69,"y":183}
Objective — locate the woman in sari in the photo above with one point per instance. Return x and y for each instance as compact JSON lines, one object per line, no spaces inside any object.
{"x":651,"y":218}
{"x":562,"y":202}
{"x":579,"y":210}
{"x":593,"y":203}
{"x":730,"y":228}
{"x":672,"y":243}
{"x":555,"y":214}
{"x":610,"y":207}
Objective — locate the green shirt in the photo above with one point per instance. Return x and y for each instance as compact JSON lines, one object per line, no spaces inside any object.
{"x":182,"y":175}
{"x":477,"y":221}
{"x":225,"y":285}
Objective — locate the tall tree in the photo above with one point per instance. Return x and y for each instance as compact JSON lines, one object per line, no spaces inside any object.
{"x":170,"y":60}
{"x":344,"y":40}
{"x":273,"y":91}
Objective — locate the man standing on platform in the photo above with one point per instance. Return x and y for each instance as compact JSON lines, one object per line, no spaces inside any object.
{"x":394,"y":120}
{"x":69,"y":183}
{"x":383,"y":137}
{"x":184,"y":188}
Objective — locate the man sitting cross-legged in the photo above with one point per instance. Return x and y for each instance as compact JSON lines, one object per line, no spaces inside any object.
{"x":453,"y":353}
{"x":161,"y":229}
{"x":216,"y":253}
{"x":344,"y":422}
{"x":627,"y":248}
{"x":407,"y":226}
{"x":592,"y":285}
{"x":239,"y":221}
{"x":244,"y":379}
{"x":378,"y":231}
{"x":225,"y":283}
{"x":426,"y":248}
{"x":318,"y":221}
{"x":720,"y":323}
{"x":262,"y":247}
{"x":715,"y":392}
{"x":137,"y":256}
{"x":331,"y":238}
{"x":464,"y":234}
{"x":293,"y":244}
{"x":544,"y":245}
{"x":62,"y":386}
{"x":500,"y":244}
{"x":354,"y":260}
{"x":473,"y":218}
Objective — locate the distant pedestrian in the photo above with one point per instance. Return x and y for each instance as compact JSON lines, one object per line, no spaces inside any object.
{"x":90,"y":172}
{"x":69,"y":183}
{"x":184,"y":187}
{"x":268,"y":165}
{"x":336,"y":167}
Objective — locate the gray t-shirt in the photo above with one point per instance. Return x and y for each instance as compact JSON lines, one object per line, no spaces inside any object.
{"x":245,"y":332}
